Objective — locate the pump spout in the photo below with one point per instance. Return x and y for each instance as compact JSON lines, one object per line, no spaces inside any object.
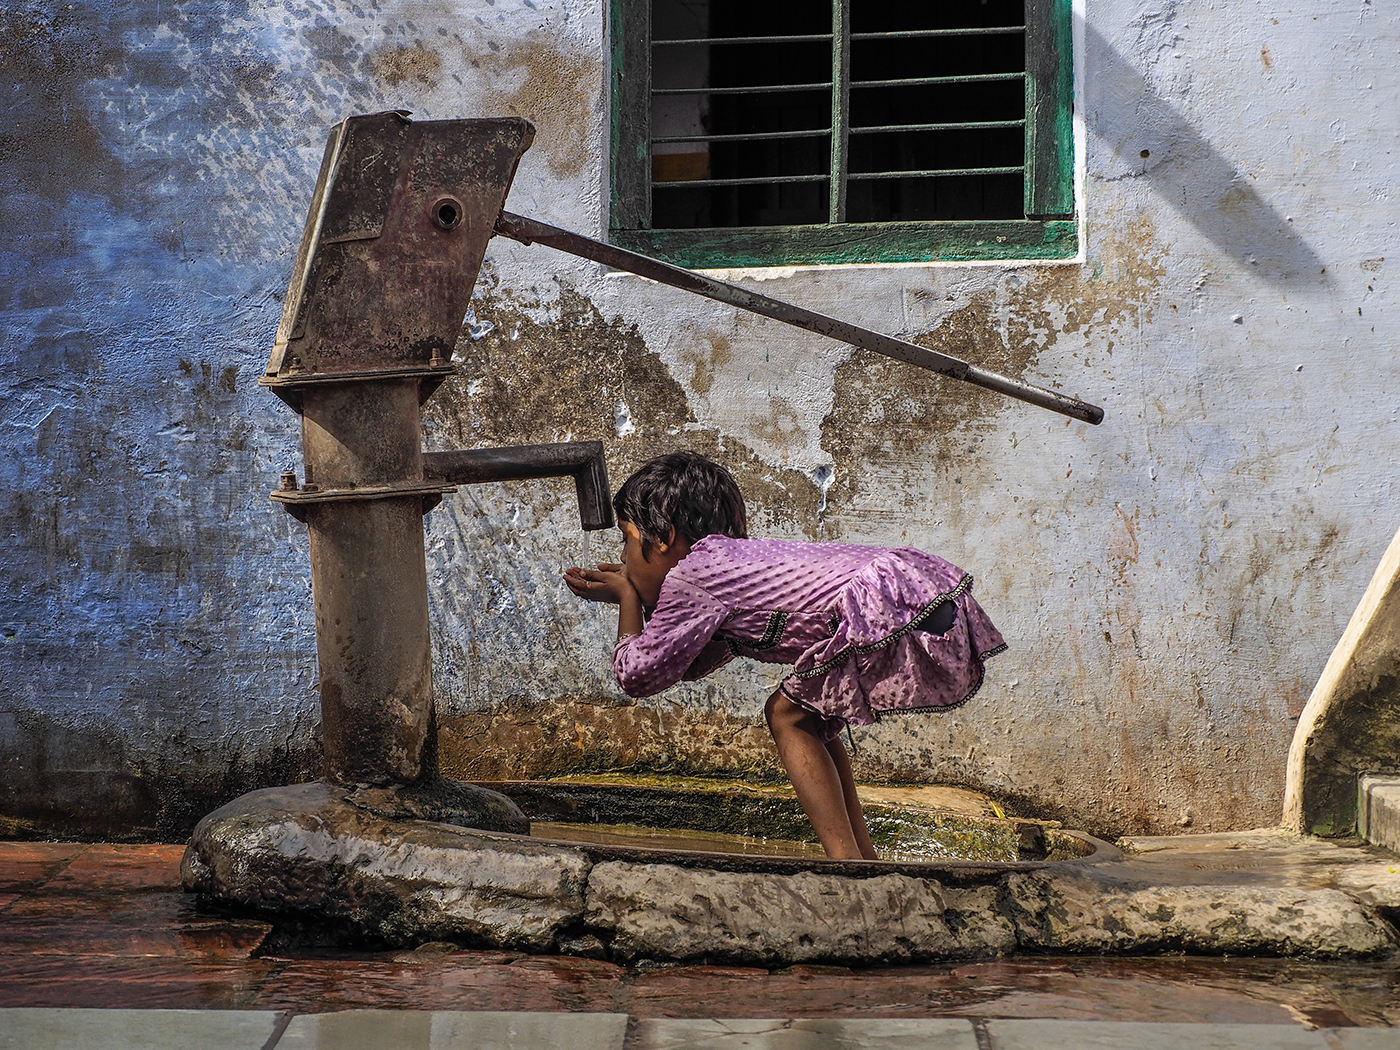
{"x":581,"y":460}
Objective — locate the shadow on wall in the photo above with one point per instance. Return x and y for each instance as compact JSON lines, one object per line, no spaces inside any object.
{"x":1148,"y":138}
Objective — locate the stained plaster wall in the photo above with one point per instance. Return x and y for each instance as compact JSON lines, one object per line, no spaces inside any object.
{"x":1170,"y":582}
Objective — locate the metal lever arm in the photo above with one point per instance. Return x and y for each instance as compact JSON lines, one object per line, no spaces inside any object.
{"x":528,"y":231}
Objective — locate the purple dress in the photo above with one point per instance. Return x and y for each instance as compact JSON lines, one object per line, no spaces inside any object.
{"x":867,"y":629}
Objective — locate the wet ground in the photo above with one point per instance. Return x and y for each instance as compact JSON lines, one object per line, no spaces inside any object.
{"x":108,"y":926}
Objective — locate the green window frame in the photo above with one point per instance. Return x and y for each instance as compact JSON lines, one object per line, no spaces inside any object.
{"x":1046,"y":231}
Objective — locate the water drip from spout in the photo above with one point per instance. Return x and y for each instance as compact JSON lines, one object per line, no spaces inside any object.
{"x":823,"y":475}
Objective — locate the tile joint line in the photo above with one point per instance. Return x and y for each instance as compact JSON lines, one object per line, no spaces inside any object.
{"x":283,"y":1020}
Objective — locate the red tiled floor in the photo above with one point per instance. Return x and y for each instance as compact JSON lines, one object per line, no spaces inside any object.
{"x":134,"y":925}
{"x":105,"y":868}
{"x":310,"y":986}
{"x":113,"y":983}
{"x":25,"y":865}
{"x":566,"y":965}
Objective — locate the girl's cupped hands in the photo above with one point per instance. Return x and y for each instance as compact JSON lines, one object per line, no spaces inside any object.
{"x":606,"y":583}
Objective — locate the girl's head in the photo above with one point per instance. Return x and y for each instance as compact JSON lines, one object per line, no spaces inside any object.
{"x":684,"y":491}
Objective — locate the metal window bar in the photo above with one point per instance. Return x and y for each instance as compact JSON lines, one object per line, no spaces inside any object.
{"x":816,"y":133}
{"x":769,"y":180}
{"x":757,"y":89}
{"x":756,"y":136}
{"x":967,"y":78}
{"x":803,"y":39}
{"x":809,"y":38}
{"x":934,"y":173}
{"x":970,"y":125}
{"x":840,"y":85}
{"x":914,"y":34}
{"x":840,"y":108}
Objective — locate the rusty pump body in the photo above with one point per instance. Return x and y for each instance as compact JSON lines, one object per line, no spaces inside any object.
{"x":396,"y":235}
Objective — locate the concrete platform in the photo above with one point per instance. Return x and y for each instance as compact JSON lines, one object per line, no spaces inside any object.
{"x":454,"y":1030}
{"x":38,"y":1029}
{"x":137,"y":1029}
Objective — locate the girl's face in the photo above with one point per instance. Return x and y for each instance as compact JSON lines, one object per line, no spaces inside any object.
{"x":646,"y":573}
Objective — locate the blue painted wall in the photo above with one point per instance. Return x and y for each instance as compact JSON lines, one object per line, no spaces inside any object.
{"x":155,"y":608}
{"x":156,"y":165}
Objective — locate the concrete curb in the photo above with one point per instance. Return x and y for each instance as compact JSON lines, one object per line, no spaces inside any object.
{"x":1378,"y":811}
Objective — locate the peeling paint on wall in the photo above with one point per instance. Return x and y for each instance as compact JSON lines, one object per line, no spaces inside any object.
{"x":558,"y":92}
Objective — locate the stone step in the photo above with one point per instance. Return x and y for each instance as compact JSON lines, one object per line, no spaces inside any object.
{"x":1378,"y":811}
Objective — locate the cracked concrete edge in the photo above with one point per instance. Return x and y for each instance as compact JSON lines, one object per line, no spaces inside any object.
{"x":303,"y":852}
{"x":306,"y":855}
{"x":659,"y":911}
{"x":669,"y":912}
{"x":1061,"y":912}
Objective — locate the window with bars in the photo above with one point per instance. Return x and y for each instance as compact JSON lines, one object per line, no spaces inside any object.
{"x":819,"y":131}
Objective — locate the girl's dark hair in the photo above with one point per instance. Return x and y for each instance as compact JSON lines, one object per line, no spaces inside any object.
{"x":685,"y":491}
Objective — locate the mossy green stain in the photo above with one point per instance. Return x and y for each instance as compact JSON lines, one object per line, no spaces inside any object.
{"x":746,"y":810}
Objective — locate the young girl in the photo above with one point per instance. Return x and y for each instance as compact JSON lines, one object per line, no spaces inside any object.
{"x":866,"y":629}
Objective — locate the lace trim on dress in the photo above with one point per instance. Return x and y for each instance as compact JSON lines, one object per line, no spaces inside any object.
{"x":957,"y":592}
{"x":772,"y":635}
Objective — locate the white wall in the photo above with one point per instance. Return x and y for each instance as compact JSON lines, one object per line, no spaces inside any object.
{"x":1170,"y":582}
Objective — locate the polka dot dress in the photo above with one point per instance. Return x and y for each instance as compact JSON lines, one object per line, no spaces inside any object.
{"x":866,"y":629}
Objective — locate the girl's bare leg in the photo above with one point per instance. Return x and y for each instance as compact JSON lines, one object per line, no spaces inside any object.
{"x":848,"y":793}
{"x":822,"y":780}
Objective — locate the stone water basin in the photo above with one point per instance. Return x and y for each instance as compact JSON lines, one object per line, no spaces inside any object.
{"x":324,"y":862}
{"x":732,"y":817}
